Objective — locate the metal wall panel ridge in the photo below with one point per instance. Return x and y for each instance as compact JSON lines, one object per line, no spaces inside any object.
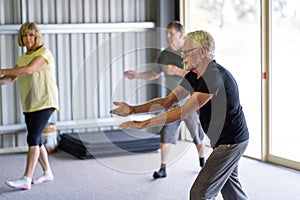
{"x":93,"y":42}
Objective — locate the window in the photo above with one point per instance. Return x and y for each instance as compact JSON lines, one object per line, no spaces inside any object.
{"x":285,"y":107}
{"x":235,"y":26}
{"x":237,"y":29}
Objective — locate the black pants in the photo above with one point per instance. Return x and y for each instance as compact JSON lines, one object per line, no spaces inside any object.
{"x":36,"y":123}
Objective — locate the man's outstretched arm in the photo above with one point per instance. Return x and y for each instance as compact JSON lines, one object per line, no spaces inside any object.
{"x":155,"y":105}
{"x":147,"y":75}
{"x":195,"y":102}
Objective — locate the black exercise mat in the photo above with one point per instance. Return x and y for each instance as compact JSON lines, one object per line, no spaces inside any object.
{"x":93,"y":144}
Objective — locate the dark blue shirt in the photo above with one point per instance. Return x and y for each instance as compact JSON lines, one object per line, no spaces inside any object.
{"x":222,"y":118}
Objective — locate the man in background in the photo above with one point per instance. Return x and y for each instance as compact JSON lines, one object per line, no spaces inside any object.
{"x":172,"y":67}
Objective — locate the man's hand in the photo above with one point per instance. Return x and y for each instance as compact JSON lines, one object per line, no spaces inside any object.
{"x":131,"y":124}
{"x":123,"y":110}
{"x":130,"y":74}
{"x":174,"y":70}
{"x":170,"y":69}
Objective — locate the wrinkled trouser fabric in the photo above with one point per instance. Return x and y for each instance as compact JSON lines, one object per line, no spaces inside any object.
{"x":220,"y":173}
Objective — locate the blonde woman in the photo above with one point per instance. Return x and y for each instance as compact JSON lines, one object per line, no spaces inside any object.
{"x":35,"y":75}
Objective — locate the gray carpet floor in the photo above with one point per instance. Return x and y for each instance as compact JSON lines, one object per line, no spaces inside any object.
{"x":130,"y":177}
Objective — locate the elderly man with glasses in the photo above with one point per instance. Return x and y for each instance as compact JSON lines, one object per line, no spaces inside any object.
{"x":214,"y":92}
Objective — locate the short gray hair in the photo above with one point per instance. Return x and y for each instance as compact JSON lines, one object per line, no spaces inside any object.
{"x":204,"y":39}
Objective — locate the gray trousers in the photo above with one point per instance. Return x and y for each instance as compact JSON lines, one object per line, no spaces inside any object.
{"x":220,"y":173}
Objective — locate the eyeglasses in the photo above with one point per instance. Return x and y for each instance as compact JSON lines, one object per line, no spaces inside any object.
{"x":189,"y":51}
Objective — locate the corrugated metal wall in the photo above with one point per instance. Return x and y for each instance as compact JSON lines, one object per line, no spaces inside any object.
{"x":90,"y":60}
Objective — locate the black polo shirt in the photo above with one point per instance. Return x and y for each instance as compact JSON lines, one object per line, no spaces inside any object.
{"x":222,"y":118}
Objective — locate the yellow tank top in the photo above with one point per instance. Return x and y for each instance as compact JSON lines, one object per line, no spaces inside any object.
{"x":38,"y":91}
